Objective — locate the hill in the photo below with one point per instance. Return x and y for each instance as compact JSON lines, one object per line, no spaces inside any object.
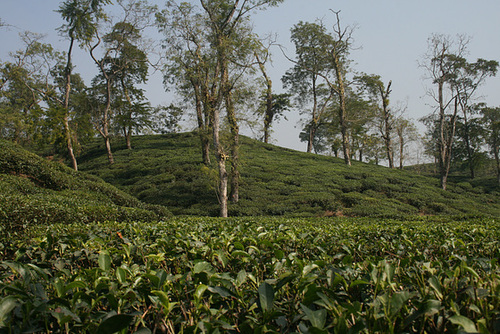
{"x":167,"y":170}
{"x":34,"y":189}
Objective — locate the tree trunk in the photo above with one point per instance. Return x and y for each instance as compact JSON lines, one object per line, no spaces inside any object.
{"x":268,"y":119}
{"x":448,"y":146}
{"x":221,"y":162}
{"x":69,"y":143}
{"x":203,"y":124}
{"x":103,"y":127}
{"x":342,"y":110}
{"x":235,"y":148}
{"x":442,"y":141}
{"x":497,"y":159}
{"x":470,"y":153}
{"x":387,"y":123}
{"x":107,"y":143}
{"x":128,"y":138}
{"x":401,"y":152}
{"x":105,"y":123}
{"x":67,"y":131}
{"x":127,"y":133}
{"x":268,"y":115}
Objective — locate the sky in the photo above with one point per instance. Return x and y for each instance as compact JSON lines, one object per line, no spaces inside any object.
{"x":390,"y":38}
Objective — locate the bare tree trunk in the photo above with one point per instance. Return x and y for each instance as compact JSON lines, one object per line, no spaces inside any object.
{"x":446,"y":159}
{"x":107,"y":143}
{"x":470,"y":153}
{"x":105,"y":123}
{"x":221,"y":162}
{"x":104,"y":126}
{"x":235,"y":148}
{"x":203,"y":127}
{"x":401,"y":151}
{"x":67,"y":130}
{"x":497,"y":159}
{"x":442,"y":140}
{"x":128,"y":137}
{"x":342,"y":111}
{"x":268,"y":115}
{"x":127,"y":132}
{"x":387,"y":123}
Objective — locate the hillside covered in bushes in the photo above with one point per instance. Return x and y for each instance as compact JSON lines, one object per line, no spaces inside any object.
{"x":167,"y":170}
{"x":35,"y":190}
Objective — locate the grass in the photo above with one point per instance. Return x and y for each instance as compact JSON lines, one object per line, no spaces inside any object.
{"x":167,"y":170}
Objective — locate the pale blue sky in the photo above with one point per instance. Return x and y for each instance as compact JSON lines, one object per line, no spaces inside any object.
{"x":391,"y":36}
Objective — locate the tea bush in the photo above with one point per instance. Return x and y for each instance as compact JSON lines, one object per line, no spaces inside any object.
{"x":34,"y":190}
{"x":258,"y":275}
{"x":277,"y":181}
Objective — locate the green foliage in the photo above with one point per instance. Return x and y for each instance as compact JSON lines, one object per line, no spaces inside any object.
{"x":205,"y":275}
{"x":37,"y":191}
{"x":168,"y":170}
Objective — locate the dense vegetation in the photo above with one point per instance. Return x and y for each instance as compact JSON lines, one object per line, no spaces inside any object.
{"x":167,"y":170}
{"x":35,"y":190}
{"x":207,"y":275}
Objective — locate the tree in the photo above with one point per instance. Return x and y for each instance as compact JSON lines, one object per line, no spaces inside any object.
{"x":469,"y":77}
{"x":166,"y":119}
{"x":123,"y":64}
{"x":209,"y":49}
{"x":406,"y":132}
{"x":332,"y":51}
{"x":455,"y":81}
{"x":27,"y":82}
{"x":81,"y":18}
{"x":190,"y":63}
{"x":19,"y":105}
{"x":304,"y":81}
{"x":379,"y":94}
{"x":234,"y":43}
{"x":131,"y":68}
{"x":491,"y":123}
{"x":272,"y":105}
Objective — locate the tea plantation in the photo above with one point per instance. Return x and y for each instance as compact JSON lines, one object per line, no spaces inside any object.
{"x":322,"y":248}
{"x":248,"y":275}
{"x":168,"y":170}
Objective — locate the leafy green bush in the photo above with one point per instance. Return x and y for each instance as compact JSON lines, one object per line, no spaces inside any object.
{"x":277,"y":181}
{"x":254,"y":275}
{"x":35,"y":190}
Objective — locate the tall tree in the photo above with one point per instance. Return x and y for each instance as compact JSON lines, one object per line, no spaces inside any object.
{"x":440,"y":68}
{"x":122,"y":64}
{"x":491,"y":123}
{"x":209,"y":50}
{"x":304,"y":81}
{"x":468,"y":78}
{"x":131,"y":68}
{"x":30,"y":79}
{"x":190,"y":63}
{"x":379,"y":93}
{"x":329,"y":54}
{"x":339,"y":52}
{"x":449,"y":71}
{"x":406,"y":133}
{"x":81,"y":18}
{"x":233,"y":43}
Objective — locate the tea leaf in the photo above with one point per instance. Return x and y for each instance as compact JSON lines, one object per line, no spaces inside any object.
{"x":266,"y":296}
{"x":114,"y":323}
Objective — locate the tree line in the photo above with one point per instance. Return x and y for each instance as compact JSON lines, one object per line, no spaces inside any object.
{"x":210,"y":55}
